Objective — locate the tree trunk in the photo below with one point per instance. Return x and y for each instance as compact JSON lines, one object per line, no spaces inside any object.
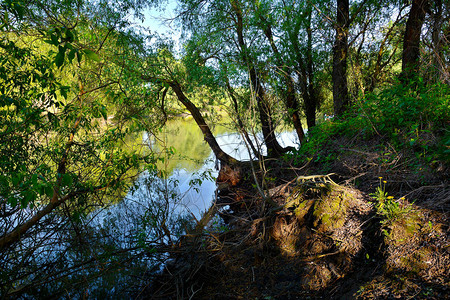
{"x":340,"y":53}
{"x":312,"y":101}
{"x":274,"y":149}
{"x":438,"y":59}
{"x":411,"y":41}
{"x":239,"y":120}
{"x":290,"y":98}
{"x":207,"y":134}
{"x":305,"y":68}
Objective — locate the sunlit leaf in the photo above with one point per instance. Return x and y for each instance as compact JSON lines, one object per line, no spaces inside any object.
{"x":92,"y":55}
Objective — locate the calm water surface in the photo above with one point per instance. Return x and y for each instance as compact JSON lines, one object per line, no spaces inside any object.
{"x":194,"y":160}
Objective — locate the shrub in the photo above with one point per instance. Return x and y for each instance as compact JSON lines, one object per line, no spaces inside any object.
{"x":408,"y":116}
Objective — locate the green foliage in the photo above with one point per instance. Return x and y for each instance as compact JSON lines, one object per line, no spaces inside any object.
{"x":28,"y":91}
{"x":64,"y":148}
{"x":415,"y":107}
{"x":409,"y":117}
{"x":386,"y":205}
{"x":395,"y":214}
{"x":73,"y":105}
{"x":380,"y":194}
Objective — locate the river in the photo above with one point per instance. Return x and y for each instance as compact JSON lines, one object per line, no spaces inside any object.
{"x":112,"y":246}
{"x":194,"y":167}
{"x":183,"y":187}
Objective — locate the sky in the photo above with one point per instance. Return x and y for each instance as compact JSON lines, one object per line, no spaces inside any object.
{"x":156,"y":19}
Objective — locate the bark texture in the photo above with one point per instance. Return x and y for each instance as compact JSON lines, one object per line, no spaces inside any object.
{"x":340,"y":53}
{"x":411,"y":40}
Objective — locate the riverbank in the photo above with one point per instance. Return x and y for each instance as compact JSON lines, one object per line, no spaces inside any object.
{"x":373,"y":228}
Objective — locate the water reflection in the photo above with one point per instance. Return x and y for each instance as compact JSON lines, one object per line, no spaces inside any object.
{"x":186,"y":139}
{"x":194,"y":167}
{"x":106,"y":251}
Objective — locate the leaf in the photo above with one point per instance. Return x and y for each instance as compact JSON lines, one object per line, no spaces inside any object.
{"x":41,"y":189}
{"x":16,"y":179}
{"x":71,"y":55}
{"x":69,"y":35}
{"x":67,"y":180}
{"x":54,"y":40}
{"x":29,"y":197}
{"x":12,"y":201}
{"x":103,"y":112}
{"x":95,"y":112}
{"x":19,"y":9}
{"x":52,"y":118}
{"x":59,"y":59}
{"x":92,"y":55}
{"x":48,"y":190}
{"x":79,"y":56}
{"x":3,"y":182}
{"x":34,"y":179}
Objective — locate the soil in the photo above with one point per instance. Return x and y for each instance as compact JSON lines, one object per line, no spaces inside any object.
{"x":315,"y":231}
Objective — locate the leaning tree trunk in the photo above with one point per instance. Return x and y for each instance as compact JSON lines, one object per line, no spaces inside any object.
{"x":207,"y":134}
{"x":411,"y":41}
{"x":340,"y":53}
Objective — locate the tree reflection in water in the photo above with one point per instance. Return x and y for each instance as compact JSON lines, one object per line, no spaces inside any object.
{"x":101,"y":247}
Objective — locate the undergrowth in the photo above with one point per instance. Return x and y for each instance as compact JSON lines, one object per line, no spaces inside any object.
{"x":412,"y":117}
{"x":392,"y":210}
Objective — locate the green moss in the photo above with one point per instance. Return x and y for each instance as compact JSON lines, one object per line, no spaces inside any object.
{"x":302,"y":209}
{"x":330,"y":211}
{"x":415,"y":262}
{"x":412,"y":262}
{"x":402,"y":228}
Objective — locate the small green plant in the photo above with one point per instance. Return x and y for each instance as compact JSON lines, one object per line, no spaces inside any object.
{"x":428,"y":291}
{"x":386,"y":205}
{"x":390,"y":208}
{"x":395,"y":215}
{"x":380,"y":194}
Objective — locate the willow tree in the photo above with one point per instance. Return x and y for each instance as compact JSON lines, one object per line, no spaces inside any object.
{"x":162,"y":72}
{"x":265,"y":19}
{"x":225,"y":26}
{"x":62,"y":138}
{"x":293,"y":32}
{"x":340,"y":52}
{"x":265,"y":115}
{"x":380,"y":23}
